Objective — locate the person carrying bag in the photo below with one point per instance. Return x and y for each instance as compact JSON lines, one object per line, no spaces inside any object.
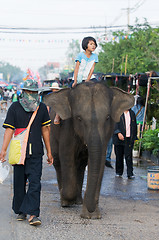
{"x":28,"y":119}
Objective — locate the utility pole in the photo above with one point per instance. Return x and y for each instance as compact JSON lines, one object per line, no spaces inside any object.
{"x":105,"y":29}
{"x":128,"y":15}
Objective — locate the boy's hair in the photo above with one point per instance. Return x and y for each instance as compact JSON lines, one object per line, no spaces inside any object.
{"x":140,"y":101}
{"x":86,"y":40}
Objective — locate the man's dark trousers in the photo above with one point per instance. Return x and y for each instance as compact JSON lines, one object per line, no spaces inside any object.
{"x":120,"y":152}
{"x":27,"y":202}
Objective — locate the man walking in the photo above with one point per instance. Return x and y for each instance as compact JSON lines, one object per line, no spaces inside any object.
{"x":18,"y":117}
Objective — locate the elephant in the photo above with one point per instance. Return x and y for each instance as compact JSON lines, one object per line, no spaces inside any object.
{"x":88,"y":114}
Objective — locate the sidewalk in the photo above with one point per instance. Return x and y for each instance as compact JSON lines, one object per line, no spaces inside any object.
{"x":123,"y":216}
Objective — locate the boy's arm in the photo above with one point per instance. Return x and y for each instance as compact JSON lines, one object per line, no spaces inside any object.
{"x":6,"y":140}
{"x":76,"y":73}
{"x":46,"y":137}
{"x":91,"y":72}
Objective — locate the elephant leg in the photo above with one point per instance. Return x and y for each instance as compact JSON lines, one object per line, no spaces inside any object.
{"x":87,"y":215}
{"x":69,"y":182}
{"x":100,"y":176}
{"x":54,"y":142}
{"x":82,"y":162}
{"x":96,"y":213}
{"x":95,"y":173}
{"x":68,"y":166}
{"x":57,"y":167}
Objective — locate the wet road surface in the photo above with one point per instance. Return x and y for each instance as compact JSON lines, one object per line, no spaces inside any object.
{"x":124,"y":188}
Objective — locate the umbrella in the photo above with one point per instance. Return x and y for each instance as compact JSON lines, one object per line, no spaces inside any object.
{"x":3,"y":84}
{"x":9,"y":87}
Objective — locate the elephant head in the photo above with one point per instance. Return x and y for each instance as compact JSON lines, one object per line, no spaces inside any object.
{"x":94,"y":109}
{"x":90,"y":105}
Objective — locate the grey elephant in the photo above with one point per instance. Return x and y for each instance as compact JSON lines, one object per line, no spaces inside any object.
{"x":88,"y":113}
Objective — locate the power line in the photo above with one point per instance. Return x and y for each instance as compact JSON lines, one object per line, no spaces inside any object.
{"x":137,"y":5}
{"x":62,"y":30}
{"x":55,"y":28}
{"x":43,"y":33}
{"x":47,"y":31}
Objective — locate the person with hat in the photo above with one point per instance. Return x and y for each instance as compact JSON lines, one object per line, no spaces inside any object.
{"x":18,"y":116}
{"x":55,"y":87}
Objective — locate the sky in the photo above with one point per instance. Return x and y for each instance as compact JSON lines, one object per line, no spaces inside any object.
{"x":52,"y":24}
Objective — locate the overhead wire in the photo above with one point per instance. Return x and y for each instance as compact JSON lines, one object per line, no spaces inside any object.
{"x":47,"y":31}
{"x":137,"y":5}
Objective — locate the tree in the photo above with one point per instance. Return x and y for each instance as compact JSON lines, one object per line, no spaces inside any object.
{"x":15,"y":74}
{"x":141,"y":48}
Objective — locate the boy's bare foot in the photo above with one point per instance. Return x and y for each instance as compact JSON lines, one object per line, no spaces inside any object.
{"x":31,"y":217}
{"x":33,"y":220}
{"x":57,"y":119}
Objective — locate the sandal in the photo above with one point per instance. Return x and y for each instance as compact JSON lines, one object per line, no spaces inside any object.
{"x":35,"y":221}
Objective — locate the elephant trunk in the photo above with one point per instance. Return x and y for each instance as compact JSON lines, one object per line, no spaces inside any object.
{"x":95,"y":173}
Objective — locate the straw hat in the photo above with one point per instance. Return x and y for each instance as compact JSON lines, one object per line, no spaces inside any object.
{"x":55,"y":85}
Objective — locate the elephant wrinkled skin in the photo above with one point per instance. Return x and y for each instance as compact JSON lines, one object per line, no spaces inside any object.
{"x":88,"y":113}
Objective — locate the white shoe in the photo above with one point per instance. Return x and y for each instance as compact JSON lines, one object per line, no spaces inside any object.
{"x":118,"y":175}
{"x":131,"y":177}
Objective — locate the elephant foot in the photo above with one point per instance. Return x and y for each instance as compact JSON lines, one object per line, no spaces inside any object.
{"x":87,"y":215}
{"x":79,"y":201}
{"x":66,"y":203}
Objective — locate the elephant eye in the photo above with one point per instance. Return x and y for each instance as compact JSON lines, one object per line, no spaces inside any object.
{"x":78,"y":118}
{"x":108,"y":117}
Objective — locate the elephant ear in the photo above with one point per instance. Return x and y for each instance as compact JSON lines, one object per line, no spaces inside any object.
{"x":121,"y":102}
{"x":59,"y":102}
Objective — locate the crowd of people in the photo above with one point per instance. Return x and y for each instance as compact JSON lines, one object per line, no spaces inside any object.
{"x":8,"y":95}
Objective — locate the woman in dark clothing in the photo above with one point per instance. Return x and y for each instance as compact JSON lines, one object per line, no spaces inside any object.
{"x":125,"y":134}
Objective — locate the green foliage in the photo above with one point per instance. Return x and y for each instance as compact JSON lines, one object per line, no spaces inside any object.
{"x":141,"y":49}
{"x":136,"y":145}
{"x":153,"y":103}
{"x":150,"y":141}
